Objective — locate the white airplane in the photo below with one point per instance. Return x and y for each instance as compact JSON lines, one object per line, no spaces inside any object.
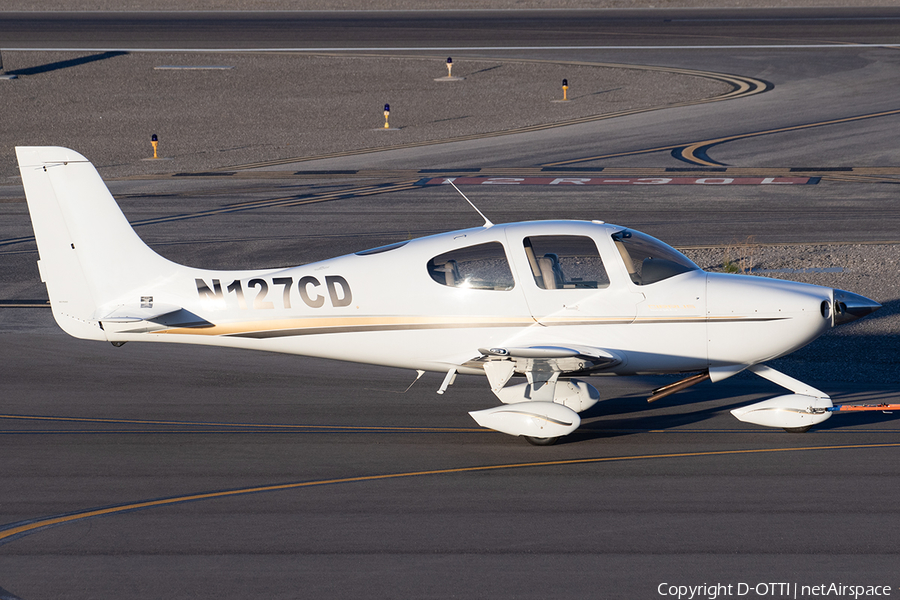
{"x":552,"y":302}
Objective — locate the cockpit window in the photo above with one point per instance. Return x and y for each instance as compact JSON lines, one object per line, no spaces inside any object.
{"x":565,"y":262}
{"x":648,"y":260}
{"x":481,"y":267}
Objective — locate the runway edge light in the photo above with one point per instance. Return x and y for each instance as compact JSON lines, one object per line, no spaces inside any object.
{"x":449,"y":76}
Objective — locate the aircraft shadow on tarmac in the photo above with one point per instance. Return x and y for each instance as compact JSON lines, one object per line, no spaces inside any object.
{"x":626,"y":414}
{"x":65,"y":64}
{"x":627,"y":425}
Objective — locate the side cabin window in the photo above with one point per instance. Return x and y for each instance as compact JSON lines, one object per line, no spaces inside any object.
{"x":480,"y":267}
{"x":649,"y":260}
{"x":565,"y":262}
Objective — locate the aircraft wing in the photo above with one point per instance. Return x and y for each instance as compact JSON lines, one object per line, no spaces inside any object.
{"x":562,"y":358}
{"x":542,"y":363}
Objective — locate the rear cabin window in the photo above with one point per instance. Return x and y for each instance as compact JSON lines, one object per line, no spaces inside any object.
{"x":560,"y":262}
{"x":480,"y":267}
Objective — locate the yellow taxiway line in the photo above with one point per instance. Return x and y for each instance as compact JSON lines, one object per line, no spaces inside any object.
{"x":22,"y":528}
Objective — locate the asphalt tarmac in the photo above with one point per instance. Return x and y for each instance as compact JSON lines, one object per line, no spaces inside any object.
{"x":159,"y":470}
{"x":462,"y":28}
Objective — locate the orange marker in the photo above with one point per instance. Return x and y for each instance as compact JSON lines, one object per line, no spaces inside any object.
{"x":864,"y":407}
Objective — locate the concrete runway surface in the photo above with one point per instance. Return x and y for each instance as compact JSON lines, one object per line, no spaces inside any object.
{"x":159,"y":470}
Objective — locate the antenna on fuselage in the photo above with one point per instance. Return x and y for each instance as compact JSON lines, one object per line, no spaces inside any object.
{"x":487,"y":222}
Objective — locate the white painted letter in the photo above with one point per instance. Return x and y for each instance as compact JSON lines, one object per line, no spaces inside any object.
{"x":576,"y":181}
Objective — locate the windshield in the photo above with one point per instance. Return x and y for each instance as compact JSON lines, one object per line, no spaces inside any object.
{"x":648,"y":260}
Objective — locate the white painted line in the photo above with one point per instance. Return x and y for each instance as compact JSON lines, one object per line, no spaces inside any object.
{"x":833,"y":46}
{"x":191,"y":68}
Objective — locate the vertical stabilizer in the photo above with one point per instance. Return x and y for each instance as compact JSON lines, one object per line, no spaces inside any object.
{"x":89,"y":255}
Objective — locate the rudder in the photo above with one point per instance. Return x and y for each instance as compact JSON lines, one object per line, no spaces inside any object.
{"x":89,"y":254}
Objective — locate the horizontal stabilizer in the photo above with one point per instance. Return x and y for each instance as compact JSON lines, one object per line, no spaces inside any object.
{"x":137,"y":312}
{"x":131,"y":319}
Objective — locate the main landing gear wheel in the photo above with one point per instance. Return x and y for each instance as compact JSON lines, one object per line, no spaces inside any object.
{"x":536,"y":441}
{"x":797,"y":429}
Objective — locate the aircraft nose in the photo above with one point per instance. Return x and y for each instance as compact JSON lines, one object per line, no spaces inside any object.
{"x":849,"y":307}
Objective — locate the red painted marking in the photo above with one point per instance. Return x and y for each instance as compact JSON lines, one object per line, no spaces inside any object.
{"x":866,"y":407}
{"x":576,"y":181}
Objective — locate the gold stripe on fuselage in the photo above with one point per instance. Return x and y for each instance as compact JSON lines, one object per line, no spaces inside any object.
{"x":314,"y":325}
{"x":327,"y":325}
